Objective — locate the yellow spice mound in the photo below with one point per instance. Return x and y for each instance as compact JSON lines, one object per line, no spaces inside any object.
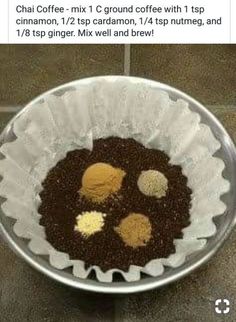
{"x":101,"y":180}
{"x":89,"y":222}
{"x":135,"y":230}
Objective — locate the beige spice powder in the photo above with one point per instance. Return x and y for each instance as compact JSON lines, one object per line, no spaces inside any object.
{"x":153,"y":183}
{"x":135,"y":230}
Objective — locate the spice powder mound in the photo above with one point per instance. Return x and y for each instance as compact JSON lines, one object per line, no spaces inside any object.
{"x":61,"y":203}
{"x":101,"y":180}
{"x":89,"y":222}
{"x":135,"y":230}
{"x":152,"y":183}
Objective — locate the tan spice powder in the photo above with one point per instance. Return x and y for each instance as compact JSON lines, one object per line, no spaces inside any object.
{"x":101,"y":180}
{"x":135,"y":230}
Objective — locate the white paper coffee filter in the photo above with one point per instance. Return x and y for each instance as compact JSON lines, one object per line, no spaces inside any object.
{"x":46,"y":131}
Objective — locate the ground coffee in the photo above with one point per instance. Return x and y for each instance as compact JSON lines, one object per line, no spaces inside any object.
{"x":62,"y":203}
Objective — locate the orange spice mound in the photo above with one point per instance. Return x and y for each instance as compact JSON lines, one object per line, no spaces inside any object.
{"x":100,"y":180}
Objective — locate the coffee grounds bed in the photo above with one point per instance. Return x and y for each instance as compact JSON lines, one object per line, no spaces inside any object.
{"x":62,"y":203}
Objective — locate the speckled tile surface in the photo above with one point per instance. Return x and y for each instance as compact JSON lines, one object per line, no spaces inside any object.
{"x":26,"y":295}
{"x":207,"y":72}
{"x":29,"y":70}
{"x":190,"y":299}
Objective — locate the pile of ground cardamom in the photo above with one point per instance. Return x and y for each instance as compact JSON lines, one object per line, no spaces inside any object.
{"x":152,"y":183}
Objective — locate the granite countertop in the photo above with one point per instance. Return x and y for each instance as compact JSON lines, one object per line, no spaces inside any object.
{"x":26,"y":295}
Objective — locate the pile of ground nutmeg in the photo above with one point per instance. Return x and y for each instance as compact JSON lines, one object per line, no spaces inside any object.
{"x":136,"y":227}
{"x":135,"y":230}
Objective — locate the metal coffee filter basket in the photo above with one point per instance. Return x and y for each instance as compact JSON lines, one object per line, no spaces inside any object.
{"x":224,"y":223}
